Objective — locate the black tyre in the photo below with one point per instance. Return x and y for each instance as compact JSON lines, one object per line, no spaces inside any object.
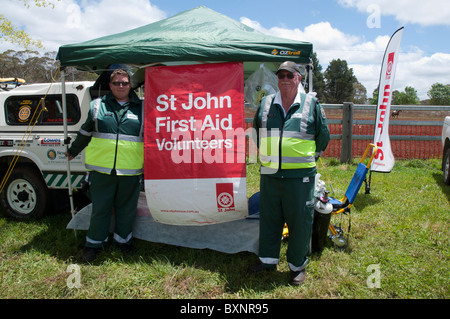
{"x":446,"y":167}
{"x":25,"y":194}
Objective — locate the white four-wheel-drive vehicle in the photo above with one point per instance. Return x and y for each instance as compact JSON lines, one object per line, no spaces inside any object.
{"x":32,"y":149}
{"x":446,"y":150}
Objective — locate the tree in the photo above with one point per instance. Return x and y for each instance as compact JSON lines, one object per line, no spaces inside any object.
{"x":439,"y":94}
{"x":339,"y":81}
{"x":10,"y":33}
{"x":318,"y":80}
{"x":360,"y":93}
{"x":36,"y":68}
{"x":374,"y":99}
{"x":408,"y":97}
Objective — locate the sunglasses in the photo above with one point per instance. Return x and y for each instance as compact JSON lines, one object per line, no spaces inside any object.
{"x":281,"y":76}
{"x":120,"y":83}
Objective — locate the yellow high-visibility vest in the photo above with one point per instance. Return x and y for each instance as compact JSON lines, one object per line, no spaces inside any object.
{"x":108,"y":151}
{"x":297,"y":147}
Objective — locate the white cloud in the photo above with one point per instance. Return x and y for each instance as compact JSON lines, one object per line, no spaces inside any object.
{"x":68,"y":22}
{"x":329,"y":42}
{"x":420,"y":71}
{"x":74,"y":21}
{"x":425,"y":13}
{"x":365,"y":57}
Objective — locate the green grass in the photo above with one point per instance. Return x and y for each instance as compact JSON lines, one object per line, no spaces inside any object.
{"x":402,"y":226}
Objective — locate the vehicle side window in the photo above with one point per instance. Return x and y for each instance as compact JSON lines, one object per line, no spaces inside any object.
{"x":21,"y":109}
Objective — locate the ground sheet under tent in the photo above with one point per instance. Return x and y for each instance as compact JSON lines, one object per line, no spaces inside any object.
{"x":228,"y":237}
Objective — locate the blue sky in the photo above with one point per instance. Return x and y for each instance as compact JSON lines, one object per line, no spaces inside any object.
{"x":354,"y":30}
{"x":299,"y":14}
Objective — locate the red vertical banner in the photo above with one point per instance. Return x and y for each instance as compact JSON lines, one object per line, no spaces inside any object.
{"x":194,"y":142}
{"x":384,"y":158}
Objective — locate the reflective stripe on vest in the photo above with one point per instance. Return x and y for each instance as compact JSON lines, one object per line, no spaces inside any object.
{"x":298,"y":148}
{"x":102,"y":151}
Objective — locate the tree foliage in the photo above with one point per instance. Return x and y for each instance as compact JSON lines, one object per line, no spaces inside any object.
{"x":360,"y":93}
{"x":339,"y":82}
{"x":408,"y":97}
{"x":374,"y":98}
{"x":10,"y":33}
{"x":35,"y":68}
{"x":318,"y":79}
{"x":439,"y":94}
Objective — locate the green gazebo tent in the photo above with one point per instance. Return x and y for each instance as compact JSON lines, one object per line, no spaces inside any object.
{"x":199,"y":35}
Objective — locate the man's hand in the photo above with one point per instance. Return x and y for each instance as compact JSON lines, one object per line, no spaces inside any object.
{"x":67,"y":155}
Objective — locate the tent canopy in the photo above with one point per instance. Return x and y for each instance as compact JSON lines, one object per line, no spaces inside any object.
{"x":197,"y":35}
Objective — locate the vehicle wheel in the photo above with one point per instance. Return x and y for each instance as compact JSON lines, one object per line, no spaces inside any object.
{"x":25,"y":194}
{"x":446,"y":167}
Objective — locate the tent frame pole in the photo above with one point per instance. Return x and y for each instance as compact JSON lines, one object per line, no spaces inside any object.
{"x":67,"y":143}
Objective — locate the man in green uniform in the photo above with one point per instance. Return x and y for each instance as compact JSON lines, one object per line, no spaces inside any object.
{"x":292,"y":132}
{"x":113,"y":138}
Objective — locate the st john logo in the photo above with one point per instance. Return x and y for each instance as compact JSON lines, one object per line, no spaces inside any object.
{"x":225,"y":197}
{"x":390,"y":65}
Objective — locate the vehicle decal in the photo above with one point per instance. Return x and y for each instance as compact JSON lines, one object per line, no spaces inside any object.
{"x":6,"y":143}
{"x":60,"y":180}
{"x":24,"y":113}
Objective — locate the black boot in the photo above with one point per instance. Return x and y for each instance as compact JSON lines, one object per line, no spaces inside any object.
{"x":90,"y":253}
{"x":298,"y":277}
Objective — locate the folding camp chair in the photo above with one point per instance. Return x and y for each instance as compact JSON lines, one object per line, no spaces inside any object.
{"x":344,"y":205}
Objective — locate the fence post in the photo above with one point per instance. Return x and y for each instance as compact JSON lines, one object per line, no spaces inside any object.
{"x":347,"y":132}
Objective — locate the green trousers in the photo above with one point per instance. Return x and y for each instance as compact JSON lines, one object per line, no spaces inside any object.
{"x":112,"y":195}
{"x":290,"y":201}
